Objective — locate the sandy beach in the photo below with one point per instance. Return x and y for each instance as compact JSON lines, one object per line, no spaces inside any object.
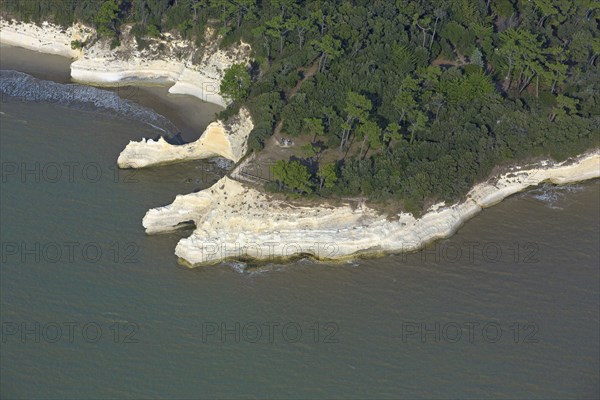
{"x":43,"y":66}
{"x":188,"y":113}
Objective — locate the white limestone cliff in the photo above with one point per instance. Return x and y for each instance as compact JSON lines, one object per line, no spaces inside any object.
{"x":47,"y":38}
{"x":222,"y":139}
{"x":163,"y":60}
{"x":234,"y":221}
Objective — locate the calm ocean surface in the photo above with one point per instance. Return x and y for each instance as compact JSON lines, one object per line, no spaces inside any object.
{"x":91,"y":307}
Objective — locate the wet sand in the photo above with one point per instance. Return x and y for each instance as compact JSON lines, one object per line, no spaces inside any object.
{"x":188,"y":113}
{"x":43,"y":66}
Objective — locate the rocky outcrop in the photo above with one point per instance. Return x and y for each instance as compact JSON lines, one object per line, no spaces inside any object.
{"x":222,"y":139}
{"x":234,"y":221}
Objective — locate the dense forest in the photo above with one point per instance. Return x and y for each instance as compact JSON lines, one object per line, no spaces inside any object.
{"x":406,"y":101}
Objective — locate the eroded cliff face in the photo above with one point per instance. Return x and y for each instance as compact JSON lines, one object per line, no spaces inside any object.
{"x":47,"y":38}
{"x":222,"y":139}
{"x":234,"y":221}
{"x":194,"y":71}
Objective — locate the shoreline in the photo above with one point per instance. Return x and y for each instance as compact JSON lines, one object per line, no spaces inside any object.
{"x":45,"y":66}
{"x":237,"y":222}
{"x":142,"y":72}
{"x":184,"y":92}
{"x":190,"y":114}
{"x":98,"y":64}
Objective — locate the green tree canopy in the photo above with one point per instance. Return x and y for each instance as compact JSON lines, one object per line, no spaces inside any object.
{"x":236,"y":82}
{"x":107,"y":18}
{"x":327,"y":176}
{"x":293,"y":175}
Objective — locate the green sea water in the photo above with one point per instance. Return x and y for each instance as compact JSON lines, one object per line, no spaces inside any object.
{"x":91,"y":307}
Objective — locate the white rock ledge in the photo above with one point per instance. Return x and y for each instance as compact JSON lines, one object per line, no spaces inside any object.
{"x":234,"y":221}
{"x":228,"y":140}
{"x":167,"y":59}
